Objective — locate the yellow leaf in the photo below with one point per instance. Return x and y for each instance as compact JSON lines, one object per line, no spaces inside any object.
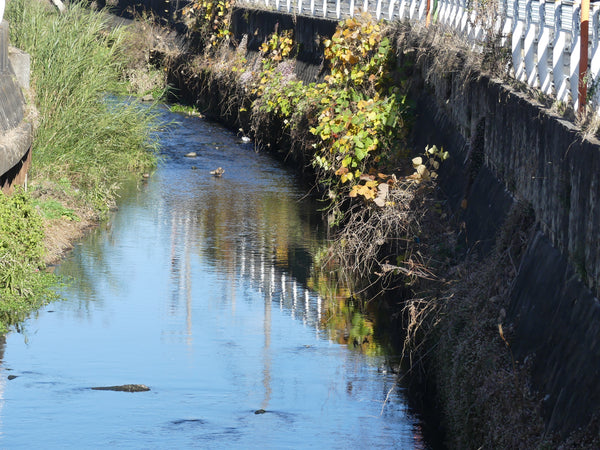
{"x":347,"y":177}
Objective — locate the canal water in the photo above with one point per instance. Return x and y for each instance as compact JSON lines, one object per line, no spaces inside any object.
{"x":200,"y":288}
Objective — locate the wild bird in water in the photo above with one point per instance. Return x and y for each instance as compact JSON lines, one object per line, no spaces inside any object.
{"x":217,"y":172}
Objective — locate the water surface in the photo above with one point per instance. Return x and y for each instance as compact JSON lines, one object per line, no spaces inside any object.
{"x":197,"y":288}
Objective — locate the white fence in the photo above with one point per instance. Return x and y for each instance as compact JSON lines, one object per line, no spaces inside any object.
{"x":544,"y":36}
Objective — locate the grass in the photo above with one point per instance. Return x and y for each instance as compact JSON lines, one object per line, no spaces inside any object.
{"x":23,"y":283}
{"x":76,"y":60}
{"x":87,"y":141}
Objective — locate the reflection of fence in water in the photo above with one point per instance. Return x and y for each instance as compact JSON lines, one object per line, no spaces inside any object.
{"x":258,"y":266}
{"x":544,"y":36}
{"x":251,"y":258}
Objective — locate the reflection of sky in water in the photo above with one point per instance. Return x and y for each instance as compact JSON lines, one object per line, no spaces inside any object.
{"x":196,"y":289}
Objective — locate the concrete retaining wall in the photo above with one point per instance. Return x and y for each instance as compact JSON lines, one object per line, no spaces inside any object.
{"x":16,"y":134}
{"x":505,"y":148}
{"x":308,"y":34}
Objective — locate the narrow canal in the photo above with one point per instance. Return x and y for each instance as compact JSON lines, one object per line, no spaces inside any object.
{"x":199,"y":288}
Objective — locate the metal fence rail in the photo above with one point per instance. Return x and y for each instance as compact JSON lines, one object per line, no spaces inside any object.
{"x":544,"y":36}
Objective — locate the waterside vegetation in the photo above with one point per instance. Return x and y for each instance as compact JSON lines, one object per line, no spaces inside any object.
{"x":85,"y":144}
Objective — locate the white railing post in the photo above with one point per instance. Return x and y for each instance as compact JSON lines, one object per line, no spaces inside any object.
{"x":453,"y":13}
{"x":421,"y":10}
{"x":338,"y":9}
{"x":324,"y":8}
{"x":559,"y":74}
{"x":403,"y":9}
{"x":464,"y":19}
{"x":509,"y":13}
{"x":289,"y":6}
{"x":352,"y":7}
{"x":378,"y":10}
{"x":366,"y":6}
{"x":458,"y":16}
{"x":517,"y":44}
{"x":529,"y":46}
{"x":391,"y":8}
{"x":574,"y":56}
{"x":543,"y":51}
{"x":412,"y":10}
{"x":444,"y":8}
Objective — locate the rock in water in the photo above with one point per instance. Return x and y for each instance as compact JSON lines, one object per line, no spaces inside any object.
{"x":191,"y":155}
{"x":124,"y":388}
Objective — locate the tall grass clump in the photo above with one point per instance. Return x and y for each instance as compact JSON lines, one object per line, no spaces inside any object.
{"x":77,"y":61}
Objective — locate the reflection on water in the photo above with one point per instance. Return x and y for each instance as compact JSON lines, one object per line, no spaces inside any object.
{"x":199,"y":288}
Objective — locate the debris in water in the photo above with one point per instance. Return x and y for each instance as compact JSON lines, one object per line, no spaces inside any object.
{"x":217,"y":172}
{"x":259,"y":411}
{"x":191,"y":155}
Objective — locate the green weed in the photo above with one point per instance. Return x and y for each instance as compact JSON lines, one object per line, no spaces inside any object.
{"x":24,"y":286}
{"x":83,"y":135}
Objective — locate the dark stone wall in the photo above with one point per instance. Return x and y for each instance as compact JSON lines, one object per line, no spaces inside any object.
{"x":506,"y":148}
{"x":308,"y":32}
{"x":557,"y":325}
{"x":165,"y":9}
{"x":538,"y":158}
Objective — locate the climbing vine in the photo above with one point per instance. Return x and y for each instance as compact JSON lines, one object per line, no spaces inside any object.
{"x":210,"y":18}
{"x":361,"y":119}
{"x":355,"y":115}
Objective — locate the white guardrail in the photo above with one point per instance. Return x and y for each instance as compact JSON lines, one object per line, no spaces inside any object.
{"x":544,"y":36}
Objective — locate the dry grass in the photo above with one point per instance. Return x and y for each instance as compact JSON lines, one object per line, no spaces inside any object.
{"x":380,"y":244}
{"x":484,"y":393}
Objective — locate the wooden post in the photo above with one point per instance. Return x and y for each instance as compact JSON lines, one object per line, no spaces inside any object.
{"x":583,"y":53}
{"x":428,"y":17}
